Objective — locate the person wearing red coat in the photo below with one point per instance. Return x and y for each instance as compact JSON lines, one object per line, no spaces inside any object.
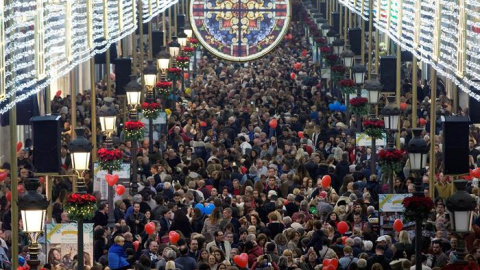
{"x":253,"y":252}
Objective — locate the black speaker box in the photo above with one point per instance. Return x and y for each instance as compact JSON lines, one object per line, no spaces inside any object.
{"x":157,"y":42}
{"x":336,"y":22}
{"x":46,"y":143}
{"x":388,"y":74}
{"x":123,"y":70}
{"x":101,"y":57}
{"x":407,"y":56}
{"x":26,"y":109}
{"x":181,"y":18}
{"x":455,"y":145}
{"x":474,"y":108}
{"x":355,"y":39}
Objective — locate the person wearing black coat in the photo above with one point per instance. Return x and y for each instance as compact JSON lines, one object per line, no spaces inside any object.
{"x":343,"y":167}
{"x":380,"y":258}
{"x":317,"y":238}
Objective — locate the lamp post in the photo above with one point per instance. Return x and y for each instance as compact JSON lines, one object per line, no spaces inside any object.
{"x":331,"y":34}
{"x":108,"y":124}
{"x":33,"y":207}
{"x":163,"y":62}
{"x":338,"y":44}
{"x":182,"y":40}
{"x":417,"y":156}
{"x":80,"y":152}
{"x":150,"y":79}
{"x":358,"y":74}
{"x":174,"y":49}
{"x":325,"y":28}
{"x":134,"y":95}
{"x":373,"y":87}
{"x":391,"y":115}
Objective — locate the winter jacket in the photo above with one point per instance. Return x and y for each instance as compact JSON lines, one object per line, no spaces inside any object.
{"x":253,"y":254}
{"x":117,"y":257}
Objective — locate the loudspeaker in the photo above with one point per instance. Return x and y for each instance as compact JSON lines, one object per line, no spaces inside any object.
{"x":123,"y":70}
{"x":474,"y":107}
{"x":388,"y":74}
{"x":181,"y":21}
{"x":455,"y":145}
{"x":46,"y":143}
{"x":157,"y":42}
{"x":101,"y":57}
{"x":26,"y":109}
{"x":355,"y":39}
{"x":323,"y":7}
{"x":407,"y":56}
{"x":336,"y":22}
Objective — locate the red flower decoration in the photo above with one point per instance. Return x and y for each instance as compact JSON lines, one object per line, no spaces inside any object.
{"x":325,"y":49}
{"x":182,"y":59}
{"x":81,"y":199}
{"x":163,"y":84}
{"x":109,"y":155}
{"x":390,"y":156}
{"x":193,"y":40}
{"x":373,"y":124}
{"x":134,"y":125}
{"x":321,"y":41}
{"x":150,"y":106}
{"x":346,"y":83}
{"x":174,"y":71}
{"x":358,"y":101}
{"x":339,"y":69}
{"x":188,"y":49}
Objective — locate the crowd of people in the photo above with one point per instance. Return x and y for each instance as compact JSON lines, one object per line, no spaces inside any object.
{"x":263,"y":180}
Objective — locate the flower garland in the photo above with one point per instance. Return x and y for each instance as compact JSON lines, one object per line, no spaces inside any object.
{"x":338,"y":73}
{"x":163,"y":87}
{"x":358,"y":106}
{"x":347,"y":86}
{"x":390,"y":161}
{"x":174,"y":73}
{"x":150,"y":110}
{"x":182,"y":61}
{"x":374,"y":128}
{"x":110,"y":160}
{"x":80,"y":206}
{"x":134,"y":131}
{"x":417,"y":208}
{"x":331,"y":59}
{"x":189,"y":50}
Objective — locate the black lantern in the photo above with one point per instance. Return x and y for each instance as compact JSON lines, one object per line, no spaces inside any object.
{"x":174,"y":47}
{"x":134,"y":92}
{"x":373,"y":87}
{"x":391,"y":114}
{"x":417,"y":150}
{"x":150,"y":74}
{"x":331,"y":34}
{"x":325,"y":28}
{"x":338,"y":44}
{"x":460,"y":206}
{"x":358,"y":73}
{"x":163,"y":59}
{"x":80,"y":149}
{"x":348,"y":56}
{"x":182,"y":37}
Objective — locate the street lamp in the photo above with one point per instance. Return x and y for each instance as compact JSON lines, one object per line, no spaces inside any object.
{"x":391,"y":115}
{"x":358,"y":74}
{"x":150,"y":75}
{"x":182,"y":37}
{"x":33,"y":207}
{"x":320,"y":22}
{"x":348,"y":56}
{"x":108,"y":124}
{"x":163,"y":59}
{"x":417,"y":156}
{"x":460,"y":206}
{"x":331,"y":34}
{"x":134,"y":95}
{"x":80,"y":149}
{"x":338,"y":44}
{"x":373,"y":87}
{"x":325,"y":28}
{"x":174,"y":47}
{"x":188,"y":30}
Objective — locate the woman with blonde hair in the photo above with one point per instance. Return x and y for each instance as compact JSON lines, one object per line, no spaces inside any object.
{"x":170,"y":265}
{"x":404,"y":244}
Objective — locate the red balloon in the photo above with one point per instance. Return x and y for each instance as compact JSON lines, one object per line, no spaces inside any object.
{"x":273,"y":123}
{"x":59,"y":93}
{"x":398,"y":225}
{"x":120,"y":189}
{"x":476,"y":29}
{"x":300,"y":134}
{"x":173,"y":237}
{"x":403,"y":106}
{"x":241,"y":260}
{"x":8,"y":195}
{"x":326,"y":262}
{"x":334,"y":263}
{"x":185,"y":75}
{"x":41,"y":179}
{"x":19,"y":146}
{"x":150,"y":227}
{"x":422,"y":121}
{"x":326,"y":181}
{"x":344,"y":239}
{"x":20,"y":188}
{"x":292,"y":75}
{"x":330,"y":267}
{"x":304,"y":52}
{"x":203,"y":124}
{"x":136,"y":244}
{"x":342,"y":227}
{"x":3,"y":175}
{"x":111,"y":179}
{"x":467,"y":177}
{"x":297,"y":66}
{"x":475,"y":173}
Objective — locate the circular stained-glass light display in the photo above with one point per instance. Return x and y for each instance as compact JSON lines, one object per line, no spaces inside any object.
{"x":240,"y":30}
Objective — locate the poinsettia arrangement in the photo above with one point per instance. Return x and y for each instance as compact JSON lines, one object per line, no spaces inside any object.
{"x":80,"y":206}
{"x":358,"y":106}
{"x":417,"y":208}
{"x":331,"y":59}
{"x":150,"y":110}
{"x":338,"y":73}
{"x":390,"y":161}
{"x":188,"y":50}
{"x":194,"y":42}
{"x":347,"y":86}
{"x":374,"y":128}
{"x":163,"y":87}
{"x":320,"y":41}
{"x":174,"y":73}
{"x":110,"y":160}
{"x":325,"y":50}
{"x":134,"y":130}
{"x":182,"y":61}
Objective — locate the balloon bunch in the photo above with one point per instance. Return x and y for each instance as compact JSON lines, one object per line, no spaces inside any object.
{"x":205,"y":209}
{"x":336,"y":106}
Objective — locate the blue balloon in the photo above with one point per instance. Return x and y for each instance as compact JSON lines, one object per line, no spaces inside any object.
{"x":200,"y":207}
{"x":337,"y":103}
{"x":21,"y":260}
{"x":343,"y":108}
{"x":209,"y":208}
{"x":330,"y":106}
{"x":336,"y":106}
